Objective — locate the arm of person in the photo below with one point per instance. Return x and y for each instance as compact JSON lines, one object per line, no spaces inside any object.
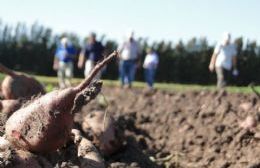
{"x":212,"y":62}
{"x":214,"y":57}
{"x":55,"y":63}
{"x":120,"y":50}
{"x":81,"y":60}
{"x":234,"y":64}
{"x":156,"y":61}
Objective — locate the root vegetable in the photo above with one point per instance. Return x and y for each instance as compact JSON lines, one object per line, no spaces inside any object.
{"x":18,"y":85}
{"x":89,"y":156}
{"x":4,"y":145}
{"x":87,"y":152}
{"x":45,"y":124}
{"x":76,"y":135}
{"x":7,"y":108}
{"x":25,"y":159}
{"x":104,"y":132}
{"x":18,"y":158}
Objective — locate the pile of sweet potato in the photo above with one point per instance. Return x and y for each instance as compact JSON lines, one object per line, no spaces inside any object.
{"x":38,"y":127}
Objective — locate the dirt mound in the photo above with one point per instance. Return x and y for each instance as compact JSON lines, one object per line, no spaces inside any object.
{"x":189,"y":129}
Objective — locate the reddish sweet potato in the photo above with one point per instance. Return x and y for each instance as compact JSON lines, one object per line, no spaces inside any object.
{"x":8,"y":107}
{"x":18,"y":158}
{"x":45,"y":124}
{"x":104,"y":132}
{"x":87,"y":152}
{"x":18,"y":85}
{"x":89,"y":156}
{"x":4,"y":145}
{"x":25,"y":159}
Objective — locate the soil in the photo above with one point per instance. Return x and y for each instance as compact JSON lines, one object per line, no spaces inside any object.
{"x":164,"y":129}
{"x":196,"y":129}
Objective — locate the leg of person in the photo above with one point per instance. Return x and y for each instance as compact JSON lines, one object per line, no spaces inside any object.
{"x":68,"y":73}
{"x":220,"y":77}
{"x":122,"y":72}
{"x":152,"y":75}
{"x":88,"y":67}
{"x":99,"y":74}
{"x":227,"y":76}
{"x":61,"y":75}
{"x":147,"y":76}
{"x":132,"y":70}
{"x":127,"y":73}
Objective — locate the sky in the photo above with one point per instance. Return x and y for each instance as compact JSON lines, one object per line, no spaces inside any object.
{"x":169,"y":20}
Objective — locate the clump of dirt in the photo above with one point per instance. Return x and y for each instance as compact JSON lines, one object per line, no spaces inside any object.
{"x":182,"y":129}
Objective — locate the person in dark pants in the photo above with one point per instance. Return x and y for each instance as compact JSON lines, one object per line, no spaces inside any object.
{"x":150,"y":65}
{"x":91,"y":54}
{"x":223,"y":60}
{"x":128,"y":60}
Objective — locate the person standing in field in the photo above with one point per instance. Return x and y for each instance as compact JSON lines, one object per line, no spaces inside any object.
{"x":224,"y":60}
{"x":150,"y":65}
{"x":63,"y":62}
{"x":91,"y":54}
{"x":128,"y":60}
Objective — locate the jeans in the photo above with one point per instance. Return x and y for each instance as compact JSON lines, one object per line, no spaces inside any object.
{"x":127,"y":71}
{"x":223,"y":77}
{"x":149,"y":76}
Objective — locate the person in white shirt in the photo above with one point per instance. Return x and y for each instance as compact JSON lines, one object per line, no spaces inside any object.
{"x":224,"y":60}
{"x":150,"y":65}
{"x":129,"y":58}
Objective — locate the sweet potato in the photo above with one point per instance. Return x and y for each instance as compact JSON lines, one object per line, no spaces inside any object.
{"x":87,"y":152}
{"x":44,"y":125}
{"x":89,"y":156}
{"x":18,"y":85}
{"x":104,"y":132}
{"x":19,"y":159}
{"x":7,"y":108}
{"x":4,"y":144}
{"x":25,"y":159}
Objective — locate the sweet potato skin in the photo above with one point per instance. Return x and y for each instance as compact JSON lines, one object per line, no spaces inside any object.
{"x":89,"y":156}
{"x":104,"y":131}
{"x":45,"y":124}
{"x":25,"y":159}
{"x":86,"y":152}
{"x":7,"y":108}
{"x":21,"y":86}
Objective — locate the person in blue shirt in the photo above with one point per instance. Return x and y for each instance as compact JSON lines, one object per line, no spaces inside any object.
{"x":91,"y":54}
{"x":63,"y":62}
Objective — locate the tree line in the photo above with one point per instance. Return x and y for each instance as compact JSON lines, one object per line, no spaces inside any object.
{"x":31,"y":49}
